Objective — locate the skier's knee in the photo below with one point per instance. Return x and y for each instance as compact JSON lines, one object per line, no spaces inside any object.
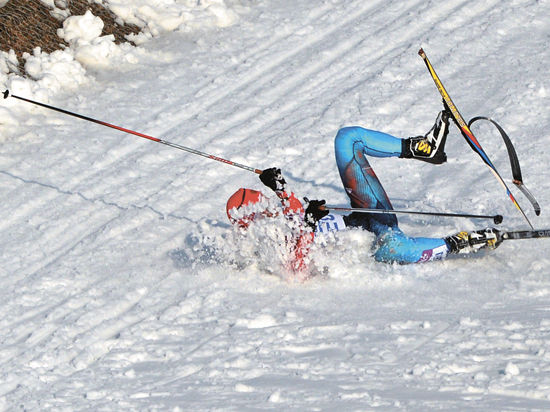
{"x":391,"y":247}
{"x":345,"y":136}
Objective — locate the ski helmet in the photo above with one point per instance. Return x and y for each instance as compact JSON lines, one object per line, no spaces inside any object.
{"x":239,"y":199}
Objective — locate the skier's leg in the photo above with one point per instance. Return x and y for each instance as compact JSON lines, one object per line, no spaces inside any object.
{"x":372,"y":142}
{"x":352,"y":144}
{"x":394,"y":246}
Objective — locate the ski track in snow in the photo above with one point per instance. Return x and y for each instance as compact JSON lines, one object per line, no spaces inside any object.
{"x":119,"y":285}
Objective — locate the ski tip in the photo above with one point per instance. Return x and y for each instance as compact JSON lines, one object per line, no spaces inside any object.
{"x":421,"y":52}
{"x":6,"y":94}
{"x":498,"y":219}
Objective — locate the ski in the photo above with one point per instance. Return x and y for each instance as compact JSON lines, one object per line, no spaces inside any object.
{"x":467,"y":133}
{"x":525,"y":234}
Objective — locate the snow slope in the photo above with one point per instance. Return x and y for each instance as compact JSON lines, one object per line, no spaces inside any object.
{"x":123,"y":286}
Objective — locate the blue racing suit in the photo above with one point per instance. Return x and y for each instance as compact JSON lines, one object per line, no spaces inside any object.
{"x":352,"y":146}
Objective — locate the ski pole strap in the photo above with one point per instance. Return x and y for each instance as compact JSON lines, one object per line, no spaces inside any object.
{"x":514,"y":162}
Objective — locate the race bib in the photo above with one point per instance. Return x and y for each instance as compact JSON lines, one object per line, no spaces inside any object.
{"x":438,"y":253}
{"x":330,"y":223}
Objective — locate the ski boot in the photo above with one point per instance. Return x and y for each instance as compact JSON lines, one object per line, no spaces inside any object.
{"x":430,"y":147}
{"x":468,"y":242}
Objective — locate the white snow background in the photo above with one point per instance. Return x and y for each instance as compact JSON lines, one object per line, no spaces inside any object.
{"x":123,"y":286}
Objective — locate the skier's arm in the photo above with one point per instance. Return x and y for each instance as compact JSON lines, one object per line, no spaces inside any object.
{"x":273,"y":179}
{"x":315,"y":211}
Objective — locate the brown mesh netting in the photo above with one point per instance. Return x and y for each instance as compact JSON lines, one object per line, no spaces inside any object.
{"x":26,"y":24}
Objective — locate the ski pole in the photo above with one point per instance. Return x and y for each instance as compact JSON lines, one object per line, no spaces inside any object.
{"x":154,"y":139}
{"x":496,"y":218}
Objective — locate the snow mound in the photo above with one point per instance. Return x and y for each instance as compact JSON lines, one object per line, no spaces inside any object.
{"x":160,"y":16}
{"x":89,"y":52}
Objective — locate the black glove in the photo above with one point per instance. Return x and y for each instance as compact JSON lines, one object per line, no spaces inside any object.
{"x":273,"y":179}
{"x":315,"y":211}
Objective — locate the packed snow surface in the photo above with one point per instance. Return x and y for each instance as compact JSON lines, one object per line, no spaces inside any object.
{"x":123,"y":286}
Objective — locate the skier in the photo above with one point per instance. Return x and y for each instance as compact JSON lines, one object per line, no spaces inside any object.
{"x":248,"y":205}
{"x":352,"y":146}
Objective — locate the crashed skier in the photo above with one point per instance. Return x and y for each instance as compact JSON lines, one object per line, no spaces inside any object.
{"x":353,"y":146}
